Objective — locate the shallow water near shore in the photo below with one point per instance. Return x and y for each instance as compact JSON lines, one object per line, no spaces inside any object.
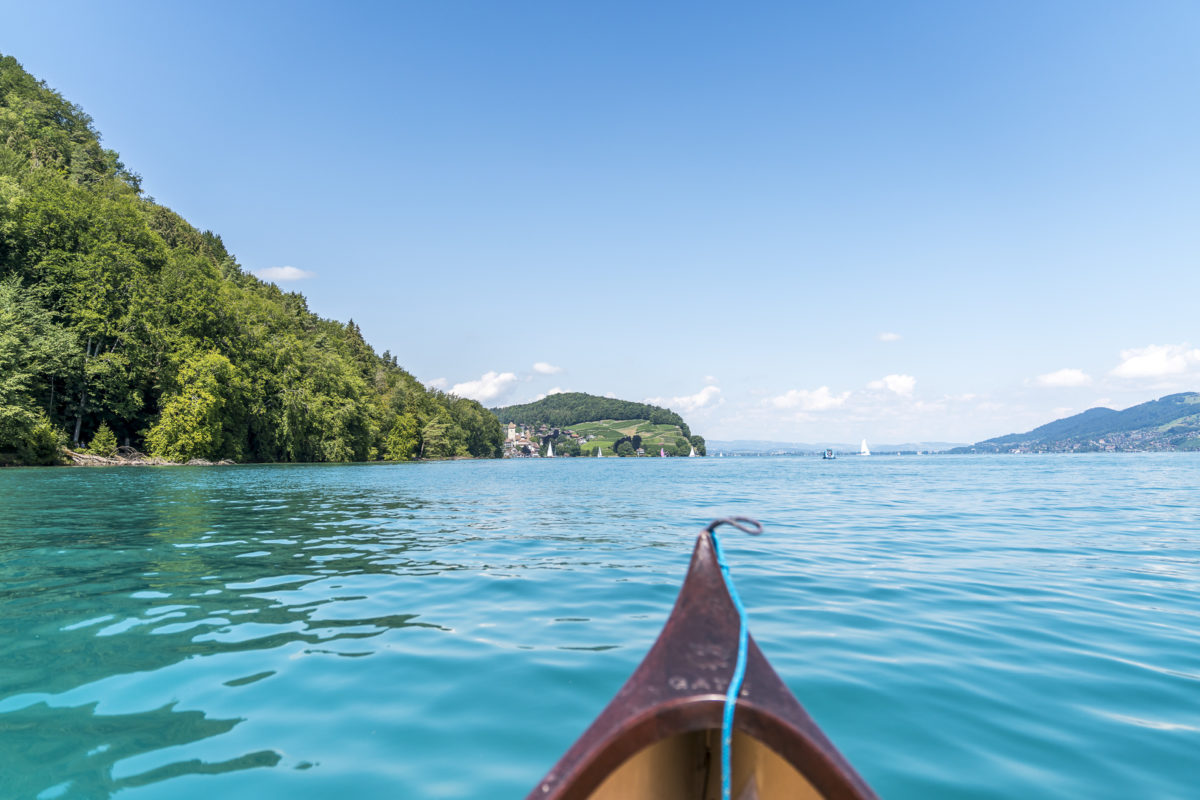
{"x":960,"y":626}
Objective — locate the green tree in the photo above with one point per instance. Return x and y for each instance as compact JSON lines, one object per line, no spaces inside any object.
{"x":435,"y":437}
{"x":404,"y":439}
{"x":203,"y":418}
{"x":35,"y":353}
{"x":625,"y":449}
{"x":42,"y":445}
{"x":104,"y":442}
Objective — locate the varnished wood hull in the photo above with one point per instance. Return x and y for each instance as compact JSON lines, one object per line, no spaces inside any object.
{"x":660,"y":736}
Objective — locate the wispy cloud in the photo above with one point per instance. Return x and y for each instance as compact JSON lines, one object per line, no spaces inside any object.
{"x":819,"y":399}
{"x":707,"y":397}
{"x":1064,"y":378}
{"x":902,"y":385}
{"x":542,"y":368}
{"x":489,"y":386}
{"x":1157,"y":361}
{"x":283,"y":274}
{"x":439,"y":383}
{"x":888,"y":336}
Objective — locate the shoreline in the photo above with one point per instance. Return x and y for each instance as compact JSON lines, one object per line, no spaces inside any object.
{"x":134,"y":458}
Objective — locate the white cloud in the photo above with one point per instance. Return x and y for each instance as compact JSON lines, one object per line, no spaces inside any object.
{"x":489,"y":386}
{"x":888,"y":336}
{"x":283,"y":274}
{"x":819,"y":399}
{"x":902,"y":385}
{"x":708,"y":396}
{"x":1064,"y":378}
{"x":1157,"y":361}
{"x":544,"y":395}
{"x":711,"y":379}
{"x":611,"y":395}
{"x":542,"y":368}
{"x":439,"y":383}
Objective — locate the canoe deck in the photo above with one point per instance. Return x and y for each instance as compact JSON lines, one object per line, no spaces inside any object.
{"x":659,"y":737}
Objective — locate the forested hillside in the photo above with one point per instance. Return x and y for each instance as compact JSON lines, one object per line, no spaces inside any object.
{"x":116,"y":314}
{"x":1168,"y":423}
{"x":569,"y":408}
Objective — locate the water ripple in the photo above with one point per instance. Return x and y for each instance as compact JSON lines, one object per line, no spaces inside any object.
{"x":959,"y":626}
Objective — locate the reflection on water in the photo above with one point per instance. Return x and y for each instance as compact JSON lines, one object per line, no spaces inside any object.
{"x":83,"y":747}
{"x":960,"y":626}
{"x":133,"y":572}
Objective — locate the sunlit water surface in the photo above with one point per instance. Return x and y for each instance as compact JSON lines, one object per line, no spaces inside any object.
{"x":959,"y":626}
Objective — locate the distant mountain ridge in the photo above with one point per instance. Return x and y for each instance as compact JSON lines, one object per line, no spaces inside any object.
{"x":1168,"y":423}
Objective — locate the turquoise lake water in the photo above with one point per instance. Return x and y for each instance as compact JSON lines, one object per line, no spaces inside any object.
{"x":966,"y":626}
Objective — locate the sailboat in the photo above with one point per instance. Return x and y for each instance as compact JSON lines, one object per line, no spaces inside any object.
{"x":863,"y":450}
{"x":599,"y":451}
{"x":693,"y":453}
{"x":550,"y":449}
{"x":662,"y":453}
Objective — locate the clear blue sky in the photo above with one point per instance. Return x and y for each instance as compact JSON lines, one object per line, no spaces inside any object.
{"x":722,"y":206}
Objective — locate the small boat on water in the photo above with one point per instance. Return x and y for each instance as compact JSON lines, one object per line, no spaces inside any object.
{"x":828,"y":455}
{"x":693,"y":453}
{"x":660,"y":737}
{"x":599,"y":451}
{"x":863,"y":450}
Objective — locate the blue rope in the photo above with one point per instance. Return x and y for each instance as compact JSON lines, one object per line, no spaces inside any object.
{"x":739,"y":669}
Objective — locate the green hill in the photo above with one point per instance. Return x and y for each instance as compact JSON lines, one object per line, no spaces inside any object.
{"x":609,"y":421}
{"x":1168,"y":423}
{"x":116,"y":314}
{"x":568,"y":408}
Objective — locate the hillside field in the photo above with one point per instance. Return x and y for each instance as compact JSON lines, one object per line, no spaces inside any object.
{"x":608,"y":431}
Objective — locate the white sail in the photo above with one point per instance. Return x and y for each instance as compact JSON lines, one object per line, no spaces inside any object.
{"x":863,"y":450}
{"x":693,"y":453}
{"x":599,"y":451}
{"x":549,"y":449}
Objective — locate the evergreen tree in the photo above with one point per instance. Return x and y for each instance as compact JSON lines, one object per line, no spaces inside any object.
{"x":104,"y":443}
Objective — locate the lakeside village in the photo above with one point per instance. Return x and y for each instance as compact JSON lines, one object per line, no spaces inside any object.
{"x":527,"y":441}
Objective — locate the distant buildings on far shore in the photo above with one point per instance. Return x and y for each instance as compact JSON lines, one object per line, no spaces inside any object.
{"x":525,"y":441}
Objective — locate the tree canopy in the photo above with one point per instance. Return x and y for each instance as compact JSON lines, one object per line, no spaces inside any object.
{"x":114,"y":311}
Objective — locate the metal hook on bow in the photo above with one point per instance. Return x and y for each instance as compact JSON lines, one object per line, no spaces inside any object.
{"x":744,"y":524}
